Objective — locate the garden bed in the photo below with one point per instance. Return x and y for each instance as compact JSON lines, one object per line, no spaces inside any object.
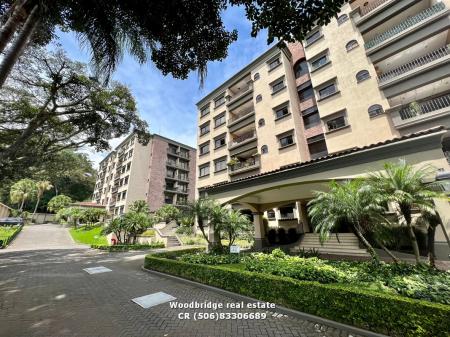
{"x":127,"y":247}
{"x":8,"y":233}
{"x":366,"y":307}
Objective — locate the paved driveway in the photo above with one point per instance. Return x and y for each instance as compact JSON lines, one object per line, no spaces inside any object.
{"x":47,"y":293}
{"x":45,"y":236}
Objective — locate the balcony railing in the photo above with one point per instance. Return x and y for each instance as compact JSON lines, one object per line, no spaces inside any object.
{"x":240,"y":93}
{"x":409,"y":22}
{"x":372,"y":6}
{"x":243,"y":138}
{"x":424,"y":107}
{"x":428,"y":58}
{"x":251,"y":162}
{"x":243,"y":113}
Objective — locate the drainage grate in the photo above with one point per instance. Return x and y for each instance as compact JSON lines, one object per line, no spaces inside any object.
{"x":97,"y":270}
{"x":151,"y":300}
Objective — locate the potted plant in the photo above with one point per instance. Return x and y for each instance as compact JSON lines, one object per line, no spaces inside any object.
{"x":233,"y":161}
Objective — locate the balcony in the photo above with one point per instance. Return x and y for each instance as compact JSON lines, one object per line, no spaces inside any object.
{"x":242,"y":139}
{"x":249,"y":164}
{"x":406,"y":26}
{"x":243,"y":118}
{"x":421,"y":111}
{"x":240,"y":96}
{"x":375,"y":4}
{"x":411,"y":66}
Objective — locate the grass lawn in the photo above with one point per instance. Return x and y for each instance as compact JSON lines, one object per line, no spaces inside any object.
{"x":89,"y":236}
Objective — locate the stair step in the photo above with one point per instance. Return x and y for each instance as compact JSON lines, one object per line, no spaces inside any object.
{"x":337,"y":251}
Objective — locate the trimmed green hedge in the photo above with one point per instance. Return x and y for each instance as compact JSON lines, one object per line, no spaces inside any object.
{"x":9,"y":239}
{"x":392,"y":315}
{"x":125,"y":248}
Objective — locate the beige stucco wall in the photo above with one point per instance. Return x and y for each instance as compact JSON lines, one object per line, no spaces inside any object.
{"x":355,"y":97}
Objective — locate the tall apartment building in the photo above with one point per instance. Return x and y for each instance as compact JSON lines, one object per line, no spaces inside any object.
{"x":371,"y":86}
{"x":162,"y":173}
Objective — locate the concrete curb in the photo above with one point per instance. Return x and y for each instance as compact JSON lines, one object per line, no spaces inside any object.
{"x":279,"y":309}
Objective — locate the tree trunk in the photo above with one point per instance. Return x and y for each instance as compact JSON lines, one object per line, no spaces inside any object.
{"x":11,"y":25}
{"x":414,"y":244}
{"x":388,"y":252}
{"x":366,"y":243}
{"x":431,"y":252}
{"x":444,"y":230}
{"x":18,"y":45}
{"x":21,"y":205}
{"x":36,"y":207}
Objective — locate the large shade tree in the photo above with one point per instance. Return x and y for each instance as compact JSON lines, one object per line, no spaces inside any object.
{"x":177,"y":35}
{"x":51,"y":103}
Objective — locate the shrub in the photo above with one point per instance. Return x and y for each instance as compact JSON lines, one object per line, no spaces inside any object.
{"x":149,"y":233}
{"x":292,"y":235}
{"x":313,"y":252}
{"x":8,"y":233}
{"x":204,"y":258}
{"x":272,"y":236}
{"x":124,"y":248}
{"x":282,"y":238}
{"x":384,"y":313}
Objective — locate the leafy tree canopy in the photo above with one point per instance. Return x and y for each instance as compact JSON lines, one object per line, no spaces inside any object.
{"x":51,"y":103}
{"x":59,"y":202}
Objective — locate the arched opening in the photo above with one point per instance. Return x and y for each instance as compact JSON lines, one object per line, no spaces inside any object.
{"x":351,"y":45}
{"x":362,"y":76}
{"x":300,"y":68}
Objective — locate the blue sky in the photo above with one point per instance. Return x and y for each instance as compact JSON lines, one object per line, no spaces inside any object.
{"x":168,"y":104}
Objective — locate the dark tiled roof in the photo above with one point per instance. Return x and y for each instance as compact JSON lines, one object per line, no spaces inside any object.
{"x":331,"y":156}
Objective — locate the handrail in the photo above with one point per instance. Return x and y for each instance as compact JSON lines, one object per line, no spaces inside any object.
{"x":367,"y":9}
{"x":418,"y":62}
{"x":423,"y":107}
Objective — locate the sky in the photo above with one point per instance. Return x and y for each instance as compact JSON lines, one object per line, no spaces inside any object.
{"x":168,"y":104}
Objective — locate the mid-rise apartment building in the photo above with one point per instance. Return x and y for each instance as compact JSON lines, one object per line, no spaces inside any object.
{"x":369,"y":87}
{"x":161,"y":172}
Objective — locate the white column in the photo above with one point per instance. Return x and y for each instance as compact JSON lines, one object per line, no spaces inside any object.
{"x":259,"y":230}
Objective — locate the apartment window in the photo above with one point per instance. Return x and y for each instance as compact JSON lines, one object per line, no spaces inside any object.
{"x":168,"y":199}
{"x":124,"y":194}
{"x":130,"y":153}
{"x":375,"y":110}
{"x":301,"y":68}
{"x":182,"y":176}
{"x":264,"y":149}
{"x":261,"y":122}
{"x":258,"y":98}
{"x":336,"y":123}
{"x":286,"y":140}
{"x":317,"y":146}
{"x":305,"y":92}
{"x":203,"y":170}
{"x":219,"y":120}
{"x":281,"y":112}
{"x":128,"y":166}
{"x":313,"y":37}
{"x":126,"y":180}
{"x":362,"y":76}
{"x":184,"y":164}
{"x":319,"y":62}
{"x":219,"y":101}
{"x":271,"y":214}
{"x":274,"y":63}
{"x":182,"y":187}
{"x":342,"y":19}
{"x":204,"y":111}
{"x":311,"y":117}
{"x":256,"y":77}
{"x":204,"y":129}
{"x":277,"y":85}
{"x":351,"y":45}
{"x":204,"y":148}
{"x":220,"y":164}
{"x":328,"y":90}
{"x":219,"y":142}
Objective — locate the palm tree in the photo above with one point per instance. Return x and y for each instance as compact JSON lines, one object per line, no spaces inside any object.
{"x":403,"y":185}
{"x":431,"y":221}
{"x":136,"y":223}
{"x":217,"y":216}
{"x":140,"y":206}
{"x":235,"y":224}
{"x":200,"y":210}
{"x":21,"y":191}
{"x":41,"y":186}
{"x":351,"y":201}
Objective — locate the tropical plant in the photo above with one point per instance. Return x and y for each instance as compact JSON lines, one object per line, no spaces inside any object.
{"x":41,"y":186}
{"x":117,"y":226}
{"x":200,"y":210}
{"x":137,"y":223}
{"x":178,"y":36}
{"x":71,"y":215}
{"x":140,"y":206}
{"x":403,"y":185}
{"x":58,"y":202}
{"x":352,"y":201}
{"x":168,"y":213}
{"x":235,"y":225}
{"x":92,"y":215}
{"x":21,"y":191}
{"x":431,"y":221}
